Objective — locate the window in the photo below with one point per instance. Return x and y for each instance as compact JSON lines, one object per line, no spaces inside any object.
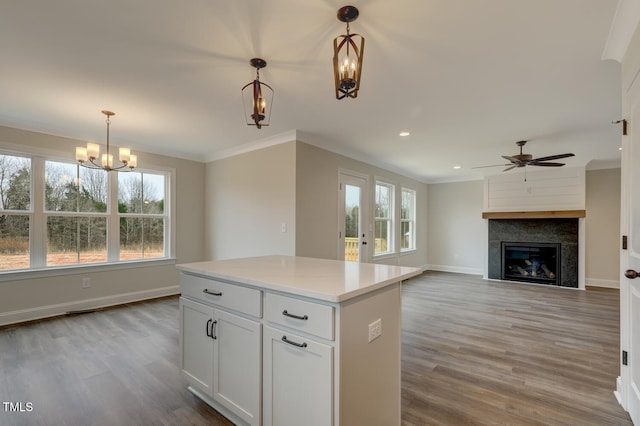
{"x":76,"y":214}
{"x":384,"y":218}
{"x":15,"y":209}
{"x":141,"y":212}
{"x":408,"y":220}
{"x":70,"y":215}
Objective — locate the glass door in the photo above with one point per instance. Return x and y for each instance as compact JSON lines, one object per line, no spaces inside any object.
{"x":352,"y":233}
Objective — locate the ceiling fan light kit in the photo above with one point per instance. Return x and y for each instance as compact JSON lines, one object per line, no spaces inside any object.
{"x":257,"y":97}
{"x":348,"y":52}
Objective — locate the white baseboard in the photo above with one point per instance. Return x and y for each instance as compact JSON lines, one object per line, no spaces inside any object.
{"x":618,"y":391}
{"x":41,"y":312}
{"x":594,"y":282}
{"x":457,"y":269}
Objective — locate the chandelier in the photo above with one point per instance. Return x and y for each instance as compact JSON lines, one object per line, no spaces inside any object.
{"x":257,"y":98}
{"x":88,"y":157}
{"x":348,"y":51}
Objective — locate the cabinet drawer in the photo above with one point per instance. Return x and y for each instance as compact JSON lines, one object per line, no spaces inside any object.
{"x":310,"y":317}
{"x":242,"y":299}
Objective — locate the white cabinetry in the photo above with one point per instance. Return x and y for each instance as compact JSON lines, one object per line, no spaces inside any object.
{"x":298,"y":380}
{"x":196,"y":344}
{"x":221,"y":351}
{"x":298,"y":366}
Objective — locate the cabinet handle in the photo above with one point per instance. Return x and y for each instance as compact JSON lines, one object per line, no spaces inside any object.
{"x":287,"y":314}
{"x":300,"y":345}
{"x":213,"y":330}
{"x":213,"y":293}
{"x":209,"y":327}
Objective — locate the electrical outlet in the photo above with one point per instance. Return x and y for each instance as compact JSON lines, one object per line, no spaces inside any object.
{"x":86,"y":282}
{"x":375,"y":330}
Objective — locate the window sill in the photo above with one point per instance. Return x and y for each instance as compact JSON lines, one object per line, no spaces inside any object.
{"x":28,"y":274}
{"x":384,"y":256}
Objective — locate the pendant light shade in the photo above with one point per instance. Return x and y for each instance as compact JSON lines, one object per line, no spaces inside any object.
{"x":257,"y":98}
{"x":348,"y":51}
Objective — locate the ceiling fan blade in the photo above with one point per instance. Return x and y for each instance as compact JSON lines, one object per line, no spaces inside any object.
{"x":494,"y":165}
{"x":552,"y":157}
{"x":509,"y":168}
{"x":535,"y":163}
{"x":512,"y":159}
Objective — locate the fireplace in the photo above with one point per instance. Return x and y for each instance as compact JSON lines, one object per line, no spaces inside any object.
{"x":531,"y":262}
{"x":550,"y":241}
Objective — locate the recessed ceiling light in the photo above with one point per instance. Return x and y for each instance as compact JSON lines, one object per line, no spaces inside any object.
{"x":405,"y":133}
{"x":456,"y":167}
{"x":620,"y":149}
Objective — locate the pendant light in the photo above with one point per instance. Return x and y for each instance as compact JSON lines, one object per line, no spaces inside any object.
{"x":348,"y":51}
{"x":257,"y":98}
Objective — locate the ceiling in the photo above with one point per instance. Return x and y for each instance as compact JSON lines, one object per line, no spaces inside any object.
{"x":467,"y":78}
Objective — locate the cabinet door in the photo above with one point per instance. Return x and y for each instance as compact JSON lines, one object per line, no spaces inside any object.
{"x":196,"y":344}
{"x":237,"y":365}
{"x":298,"y":380}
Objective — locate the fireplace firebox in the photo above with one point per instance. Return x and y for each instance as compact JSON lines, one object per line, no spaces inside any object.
{"x":531,"y":262}
{"x":538,"y":232}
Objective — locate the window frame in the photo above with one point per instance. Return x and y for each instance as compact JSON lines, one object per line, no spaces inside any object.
{"x":412,"y":220}
{"x":38,"y":220}
{"x":390,"y":219}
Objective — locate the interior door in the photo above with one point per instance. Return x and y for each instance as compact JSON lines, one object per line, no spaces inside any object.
{"x":630,"y":279}
{"x":352,"y":218}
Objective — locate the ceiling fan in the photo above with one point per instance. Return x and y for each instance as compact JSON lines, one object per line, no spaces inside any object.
{"x":522,"y":160}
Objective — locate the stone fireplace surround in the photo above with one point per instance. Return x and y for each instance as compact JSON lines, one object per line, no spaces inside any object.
{"x":564,"y":231}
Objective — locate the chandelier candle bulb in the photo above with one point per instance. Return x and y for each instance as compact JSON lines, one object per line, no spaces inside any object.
{"x":133,"y":161}
{"x":93,"y":150}
{"x":125,"y":154}
{"x":107,"y":160}
{"x":81,"y":154}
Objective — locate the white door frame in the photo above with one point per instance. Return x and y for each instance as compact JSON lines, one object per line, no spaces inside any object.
{"x":627,"y":391}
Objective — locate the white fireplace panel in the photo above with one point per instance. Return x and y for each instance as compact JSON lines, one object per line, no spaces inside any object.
{"x":548,"y":189}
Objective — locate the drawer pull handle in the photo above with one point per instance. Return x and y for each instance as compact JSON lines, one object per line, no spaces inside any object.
{"x":213,"y":293}
{"x":287,"y":314}
{"x":300,"y":345}
{"x":213,"y":330}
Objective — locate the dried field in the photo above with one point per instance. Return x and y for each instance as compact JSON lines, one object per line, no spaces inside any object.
{"x":21,"y":261}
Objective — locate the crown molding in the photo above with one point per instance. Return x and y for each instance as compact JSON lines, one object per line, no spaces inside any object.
{"x":624,"y":24}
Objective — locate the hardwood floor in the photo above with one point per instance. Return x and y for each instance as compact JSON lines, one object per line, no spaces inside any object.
{"x":474,"y":352}
{"x":479,"y":352}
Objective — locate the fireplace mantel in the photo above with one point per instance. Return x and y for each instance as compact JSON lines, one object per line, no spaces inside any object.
{"x":547,"y":214}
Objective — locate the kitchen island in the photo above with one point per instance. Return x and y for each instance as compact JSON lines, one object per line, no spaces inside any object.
{"x":284,"y":340}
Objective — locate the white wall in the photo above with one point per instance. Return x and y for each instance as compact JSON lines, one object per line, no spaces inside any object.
{"x":603,"y":228}
{"x":250,"y":195}
{"x":248,"y":198}
{"x":25,"y":296}
{"x":457,"y":233}
{"x":317,"y":204}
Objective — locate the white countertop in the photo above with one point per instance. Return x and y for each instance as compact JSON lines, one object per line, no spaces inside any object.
{"x":329,"y":280}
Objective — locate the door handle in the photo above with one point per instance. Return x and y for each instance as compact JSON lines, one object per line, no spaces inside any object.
{"x":209,"y":333}
{"x":631,"y":274}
